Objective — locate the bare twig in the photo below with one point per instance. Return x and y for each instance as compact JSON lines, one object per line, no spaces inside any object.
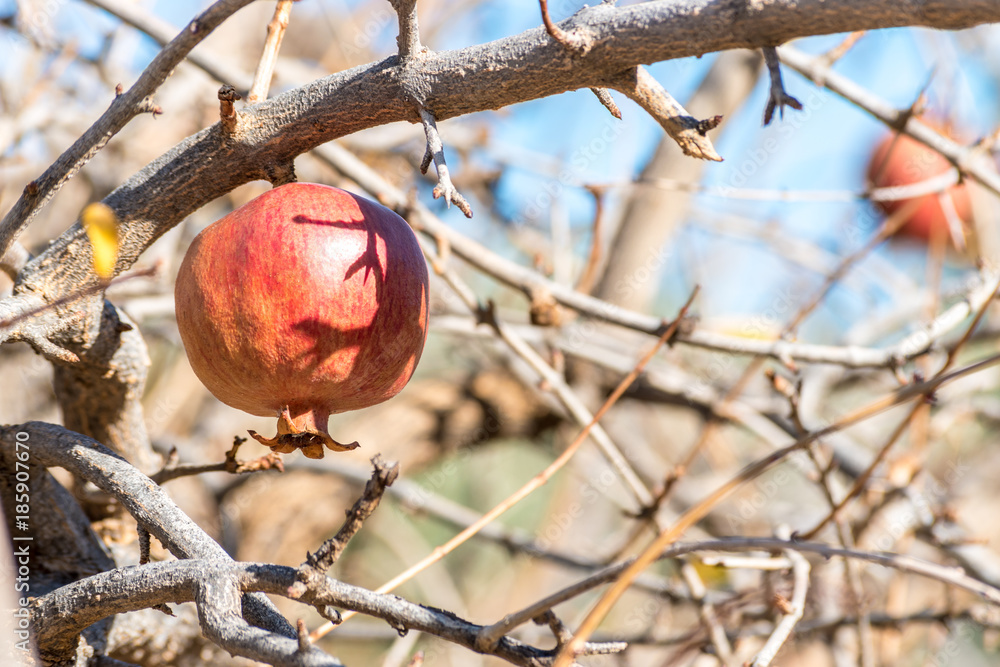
{"x":699,"y":511}
{"x":409,"y":30}
{"x":523,"y":278}
{"x":269,"y":56}
{"x":588,"y":278}
{"x":838,"y":52}
{"x":707,"y":612}
{"x":143,"y":20}
{"x":123,"y":109}
{"x":862,"y":480}
{"x":689,"y":133}
{"x":793,"y":613}
{"x":609,"y":103}
{"x":947,"y":574}
{"x":435,"y":152}
{"x":383,"y":476}
{"x":964,"y":158}
{"x":421,"y":500}
{"x":777,"y":97}
{"x":173,"y":470}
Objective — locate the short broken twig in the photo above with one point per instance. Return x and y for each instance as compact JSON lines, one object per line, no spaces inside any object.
{"x":227,"y":112}
{"x":777,"y":98}
{"x":435,"y":152}
{"x":605,"y":97}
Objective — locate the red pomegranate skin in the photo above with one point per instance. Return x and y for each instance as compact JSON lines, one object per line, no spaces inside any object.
{"x":912,"y":162}
{"x":307,"y":298}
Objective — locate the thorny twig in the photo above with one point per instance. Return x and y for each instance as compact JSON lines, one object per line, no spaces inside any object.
{"x":383,"y":475}
{"x":172,"y":469}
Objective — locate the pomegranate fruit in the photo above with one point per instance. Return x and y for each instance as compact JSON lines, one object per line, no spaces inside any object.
{"x":305,"y":302}
{"x":904,"y":161}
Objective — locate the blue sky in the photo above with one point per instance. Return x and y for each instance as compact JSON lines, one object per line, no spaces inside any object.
{"x":824,"y":147}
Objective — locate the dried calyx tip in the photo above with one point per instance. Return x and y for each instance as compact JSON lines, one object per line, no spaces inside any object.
{"x":308,"y":436}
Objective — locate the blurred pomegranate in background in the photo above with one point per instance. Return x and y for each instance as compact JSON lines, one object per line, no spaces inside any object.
{"x":898,"y":161}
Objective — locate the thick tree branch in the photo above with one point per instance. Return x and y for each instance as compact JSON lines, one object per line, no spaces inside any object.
{"x":125,"y":107}
{"x":214,"y":585}
{"x":88,"y":459}
{"x":501,"y":73}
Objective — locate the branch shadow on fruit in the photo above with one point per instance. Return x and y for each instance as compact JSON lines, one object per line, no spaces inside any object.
{"x":385,"y":347}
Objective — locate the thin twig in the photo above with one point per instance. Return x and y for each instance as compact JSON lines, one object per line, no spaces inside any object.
{"x":173,"y":470}
{"x":383,"y":475}
{"x":753,"y":470}
{"x":536,"y":482}
{"x":777,"y":98}
{"x":792,"y":615}
{"x":435,"y":152}
{"x":947,"y":574}
{"x":962,"y":157}
{"x":890,"y":227}
{"x":588,"y":278}
{"x":143,"y":20}
{"x":269,"y":56}
{"x":862,"y":480}
{"x":123,"y":109}
{"x":522,"y":278}
{"x":707,"y":613}
{"x":609,"y":103}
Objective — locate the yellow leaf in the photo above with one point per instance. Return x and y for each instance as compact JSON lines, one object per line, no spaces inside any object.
{"x":101,"y":225}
